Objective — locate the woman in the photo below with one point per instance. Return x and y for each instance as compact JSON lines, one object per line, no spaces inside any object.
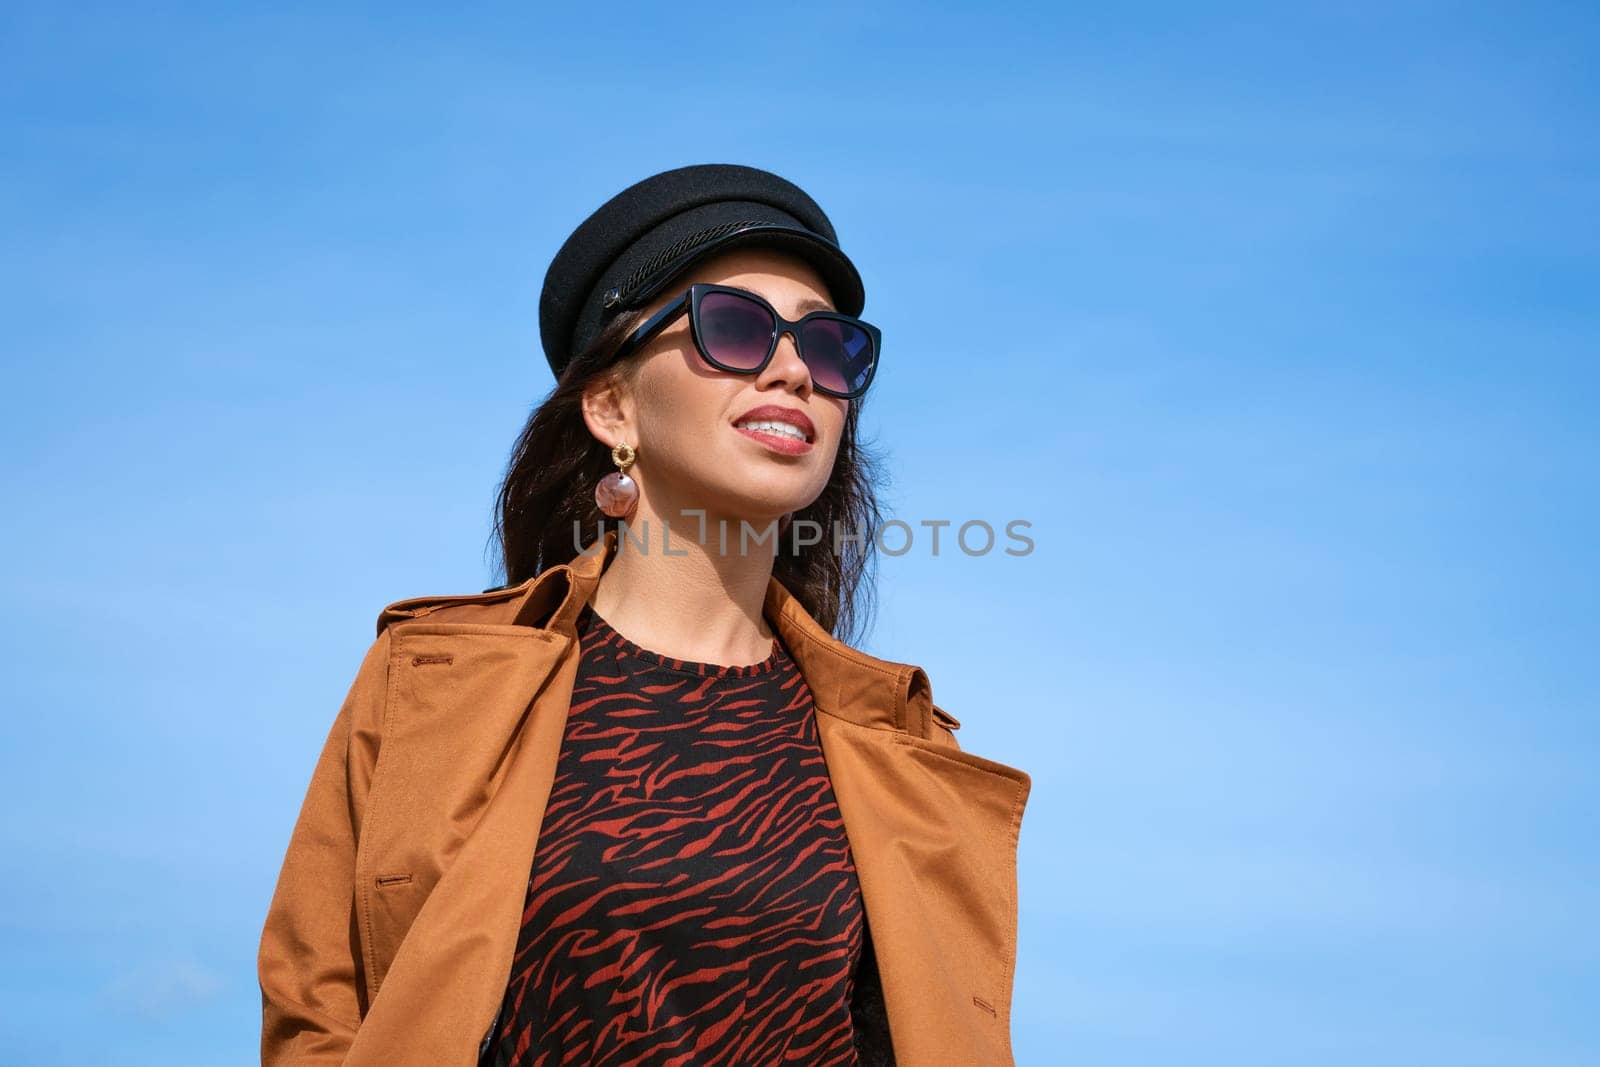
{"x":641,"y":804}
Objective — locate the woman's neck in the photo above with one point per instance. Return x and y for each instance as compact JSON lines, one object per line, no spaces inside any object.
{"x":685,"y":596}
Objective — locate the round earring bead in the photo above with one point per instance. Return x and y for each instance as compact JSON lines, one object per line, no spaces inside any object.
{"x":616,"y":494}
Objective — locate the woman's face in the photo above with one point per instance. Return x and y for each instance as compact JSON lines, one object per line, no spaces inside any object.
{"x":686,"y":418}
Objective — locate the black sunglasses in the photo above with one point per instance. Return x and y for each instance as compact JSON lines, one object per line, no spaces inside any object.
{"x":737,"y":331}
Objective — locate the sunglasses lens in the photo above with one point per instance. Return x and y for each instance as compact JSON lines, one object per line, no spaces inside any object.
{"x":735,"y":332}
{"x":839,"y":354}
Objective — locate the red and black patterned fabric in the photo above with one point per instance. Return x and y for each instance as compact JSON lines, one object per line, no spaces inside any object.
{"x":693,"y":899}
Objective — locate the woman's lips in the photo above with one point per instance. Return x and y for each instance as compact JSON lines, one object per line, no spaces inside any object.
{"x":789,"y":446}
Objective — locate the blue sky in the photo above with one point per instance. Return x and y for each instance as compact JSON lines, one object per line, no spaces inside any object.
{"x":1278,"y":323}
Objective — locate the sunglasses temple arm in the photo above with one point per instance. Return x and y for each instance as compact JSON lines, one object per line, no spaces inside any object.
{"x":655,"y":325}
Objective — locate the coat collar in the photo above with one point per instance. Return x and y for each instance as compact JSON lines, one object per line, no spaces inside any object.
{"x":844,"y":681}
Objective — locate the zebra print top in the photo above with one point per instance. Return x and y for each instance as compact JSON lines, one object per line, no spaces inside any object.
{"x":693,"y":899}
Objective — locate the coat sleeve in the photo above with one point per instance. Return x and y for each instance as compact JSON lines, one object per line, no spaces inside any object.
{"x":309,"y":963}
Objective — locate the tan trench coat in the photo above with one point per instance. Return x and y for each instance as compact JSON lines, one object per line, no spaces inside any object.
{"x":392,"y":928}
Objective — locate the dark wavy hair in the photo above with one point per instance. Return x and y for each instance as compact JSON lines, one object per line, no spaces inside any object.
{"x":550,"y":480}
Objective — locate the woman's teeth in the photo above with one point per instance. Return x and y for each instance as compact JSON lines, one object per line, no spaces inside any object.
{"x":782,"y":429}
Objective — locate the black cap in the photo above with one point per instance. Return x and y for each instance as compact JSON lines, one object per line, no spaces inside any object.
{"x":654,"y":230}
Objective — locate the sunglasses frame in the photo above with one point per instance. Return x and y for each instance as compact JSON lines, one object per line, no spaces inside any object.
{"x":690,"y":301}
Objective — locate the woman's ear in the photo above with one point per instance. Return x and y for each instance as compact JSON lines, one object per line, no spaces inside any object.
{"x":608,"y":410}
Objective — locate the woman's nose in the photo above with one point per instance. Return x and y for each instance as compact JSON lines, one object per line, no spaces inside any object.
{"x":786,"y":367}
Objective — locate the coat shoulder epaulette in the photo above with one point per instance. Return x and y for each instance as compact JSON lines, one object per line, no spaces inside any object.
{"x":417,"y":606}
{"x":949,"y":721}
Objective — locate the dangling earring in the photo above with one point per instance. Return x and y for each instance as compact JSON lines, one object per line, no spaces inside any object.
{"x":617,"y":493}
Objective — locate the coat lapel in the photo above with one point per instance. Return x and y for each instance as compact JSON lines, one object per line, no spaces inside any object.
{"x":933,"y":832}
{"x":474,"y":728}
